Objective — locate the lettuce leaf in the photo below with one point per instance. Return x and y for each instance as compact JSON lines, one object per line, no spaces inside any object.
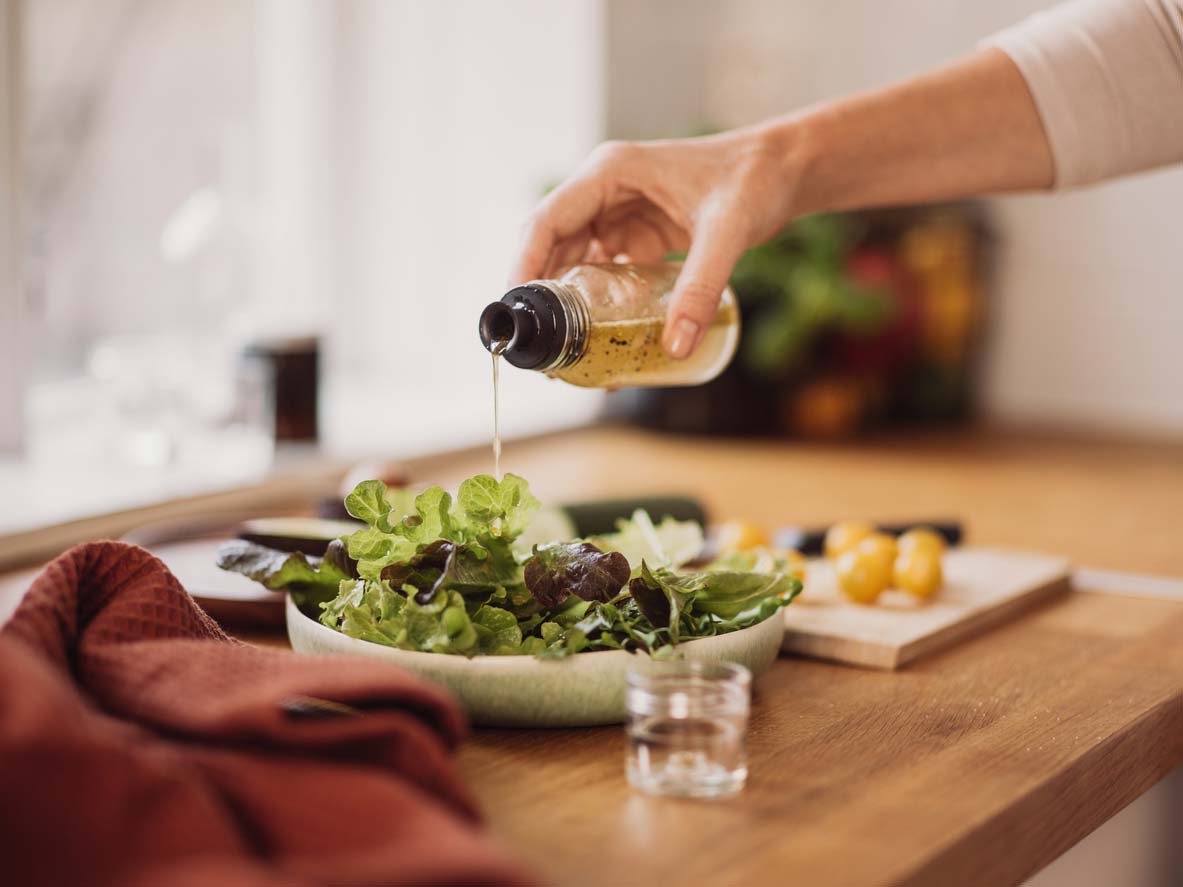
{"x":438,"y":574}
{"x":497,"y":631}
{"x":496,"y":508}
{"x":279,"y":569}
{"x":732,"y":599}
{"x":560,"y":570}
{"x":670,"y":543}
{"x":310,"y":580}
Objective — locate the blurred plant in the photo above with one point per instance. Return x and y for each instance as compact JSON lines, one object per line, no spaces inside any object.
{"x":848,"y":320}
{"x":799,"y":287}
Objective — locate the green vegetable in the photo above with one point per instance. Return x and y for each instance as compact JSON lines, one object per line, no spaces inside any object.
{"x":309,"y":579}
{"x":368,"y":503}
{"x":560,"y":570}
{"x":755,"y":560}
{"x":729,"y":596}
{"x":442,"y":575}
{"x":668,"y":544}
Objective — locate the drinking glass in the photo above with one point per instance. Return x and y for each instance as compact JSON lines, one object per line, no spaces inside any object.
{"x":687,"y":723}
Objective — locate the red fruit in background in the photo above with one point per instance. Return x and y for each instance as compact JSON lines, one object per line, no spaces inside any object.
{"x":895,"y":343}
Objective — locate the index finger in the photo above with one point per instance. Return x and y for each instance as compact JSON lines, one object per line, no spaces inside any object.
{"x":567,"y":209}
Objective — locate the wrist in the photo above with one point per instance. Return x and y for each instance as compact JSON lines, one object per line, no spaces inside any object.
{"x":795,"y":146}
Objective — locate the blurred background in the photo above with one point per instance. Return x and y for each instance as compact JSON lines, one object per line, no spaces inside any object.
{"x":229,"y":222}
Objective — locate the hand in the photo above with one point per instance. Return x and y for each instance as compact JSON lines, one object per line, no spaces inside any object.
{"x":969,"y":128}
{"x":714,"y":196}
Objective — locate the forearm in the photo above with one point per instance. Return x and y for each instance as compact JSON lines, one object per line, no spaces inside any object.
{"x":969,"y":128}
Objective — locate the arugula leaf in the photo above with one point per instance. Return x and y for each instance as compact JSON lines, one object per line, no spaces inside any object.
{"x":661,"y":599}
{"x":729,"y":595}
{"x":557,"y":571}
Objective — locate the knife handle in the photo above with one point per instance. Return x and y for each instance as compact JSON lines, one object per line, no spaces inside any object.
{"x":812,"y":540}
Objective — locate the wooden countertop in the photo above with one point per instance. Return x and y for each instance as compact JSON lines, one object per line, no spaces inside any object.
{"x":976,"y":766}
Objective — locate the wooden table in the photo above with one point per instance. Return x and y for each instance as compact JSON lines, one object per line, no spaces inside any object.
{"x":973,"y":767}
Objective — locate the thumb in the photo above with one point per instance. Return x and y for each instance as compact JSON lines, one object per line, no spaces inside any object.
{"x":712,"y":256}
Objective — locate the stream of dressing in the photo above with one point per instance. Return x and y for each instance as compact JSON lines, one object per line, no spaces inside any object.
{"x":498,"y":347}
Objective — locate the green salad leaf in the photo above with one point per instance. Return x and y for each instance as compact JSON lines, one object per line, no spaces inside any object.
{"x":280,"y":569}
{"x":368,"y":503}
{"x":732,"y":598}
{"x":670,"y":543}
{"x":502,"y":508}
{"x":438,"y":574}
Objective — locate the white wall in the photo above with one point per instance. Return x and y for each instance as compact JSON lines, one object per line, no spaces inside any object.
{"x":451,"y":120}
{"x":1088,"y":320}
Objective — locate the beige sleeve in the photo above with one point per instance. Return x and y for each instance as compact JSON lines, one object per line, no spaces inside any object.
{"x":1107,"y":78}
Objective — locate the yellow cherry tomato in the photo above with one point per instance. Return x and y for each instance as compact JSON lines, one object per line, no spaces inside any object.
{"x":845,"y":535}
{"x":921,"y":539}
{"x":739,"y":535}
{"x":862,"y":575}
{"x":918,"y":572}
{"x":879,"y":545}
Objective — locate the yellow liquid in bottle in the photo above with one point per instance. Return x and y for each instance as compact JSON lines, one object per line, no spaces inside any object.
{"x":621,"y":353}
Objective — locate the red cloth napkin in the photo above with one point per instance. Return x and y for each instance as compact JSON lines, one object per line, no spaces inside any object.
{"x":139,"y":745}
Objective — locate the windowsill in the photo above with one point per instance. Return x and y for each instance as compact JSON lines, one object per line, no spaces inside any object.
{"x":77,"y":472}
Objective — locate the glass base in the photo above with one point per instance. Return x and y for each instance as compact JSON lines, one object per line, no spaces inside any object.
{"x":686,"y":774}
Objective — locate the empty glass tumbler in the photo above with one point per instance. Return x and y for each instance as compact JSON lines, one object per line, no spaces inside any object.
{"x":687,"y":726}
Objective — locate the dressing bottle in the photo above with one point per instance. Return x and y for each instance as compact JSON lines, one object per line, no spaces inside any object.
{"x":600,"y":326}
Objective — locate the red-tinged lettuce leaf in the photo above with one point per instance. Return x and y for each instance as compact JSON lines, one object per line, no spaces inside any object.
{"x":556,"y":572}
{"x":469,"y":569}
{"x":309,"y":580}
{"x":278,"y":570}
{"x":662,"y":597}
{"x":425,"y":571}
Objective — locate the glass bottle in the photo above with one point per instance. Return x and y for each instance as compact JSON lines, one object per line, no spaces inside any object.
{"x":600,"y":326}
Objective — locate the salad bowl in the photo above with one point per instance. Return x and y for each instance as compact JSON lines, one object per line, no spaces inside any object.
{"x":584,"y":689}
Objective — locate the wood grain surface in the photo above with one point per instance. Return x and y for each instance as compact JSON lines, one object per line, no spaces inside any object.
{"x":974,"y":766}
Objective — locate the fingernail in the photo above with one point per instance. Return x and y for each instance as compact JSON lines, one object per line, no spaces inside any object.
{"x":684,"y":336}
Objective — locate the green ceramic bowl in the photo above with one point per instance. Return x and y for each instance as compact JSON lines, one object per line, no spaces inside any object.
{"x":522,"y":691}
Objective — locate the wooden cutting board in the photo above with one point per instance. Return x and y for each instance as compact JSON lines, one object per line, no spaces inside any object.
{"x":983,"y":587}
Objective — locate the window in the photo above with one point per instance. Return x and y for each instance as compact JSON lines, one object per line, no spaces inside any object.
{"x":198,"y":174}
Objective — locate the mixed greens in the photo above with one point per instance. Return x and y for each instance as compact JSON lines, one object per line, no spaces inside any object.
{"x":464,"y":576}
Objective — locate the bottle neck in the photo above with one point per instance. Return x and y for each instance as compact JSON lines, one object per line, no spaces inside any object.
{"x":578,"y":322}
{"x":543,"y":325}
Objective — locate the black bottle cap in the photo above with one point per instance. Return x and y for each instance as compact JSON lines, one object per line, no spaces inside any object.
{"x":532,"y":323}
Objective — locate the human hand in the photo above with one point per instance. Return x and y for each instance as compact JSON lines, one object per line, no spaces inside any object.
{"x":713,"y":196}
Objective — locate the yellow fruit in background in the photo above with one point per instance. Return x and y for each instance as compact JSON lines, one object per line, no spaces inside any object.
{"x":862,"y":575}
{"x":921,"y":539}
{"x":845,"y":535}
{"x":918,"y":572}
{"x":741,"y":535}
{"x":879,"y":545}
